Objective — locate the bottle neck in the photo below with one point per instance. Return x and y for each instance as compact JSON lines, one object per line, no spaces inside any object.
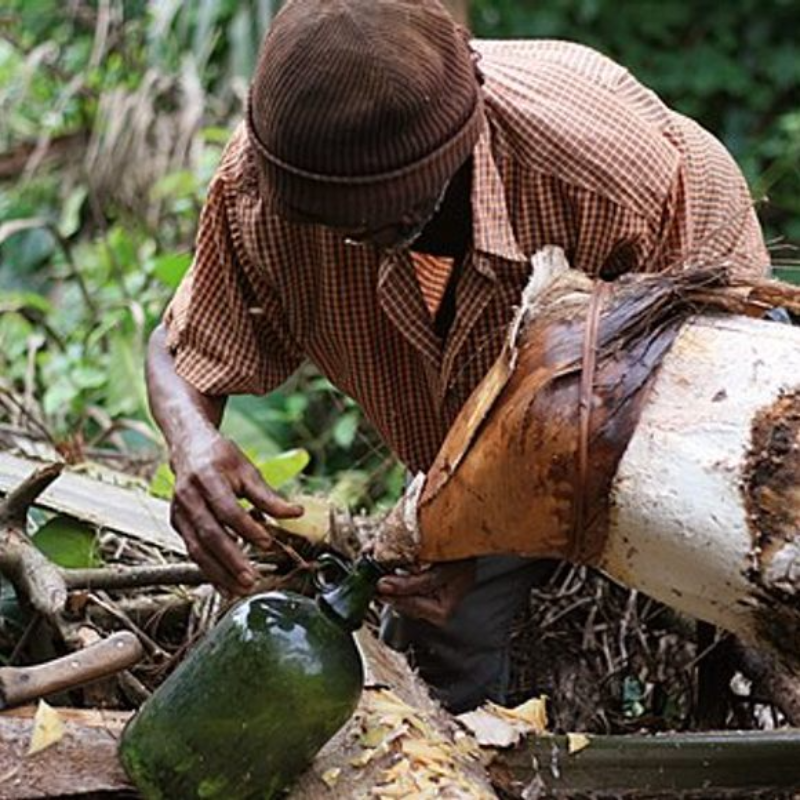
{"x":347,"y":602}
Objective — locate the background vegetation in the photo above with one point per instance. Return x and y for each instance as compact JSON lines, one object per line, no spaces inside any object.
{"x":112,"y":117}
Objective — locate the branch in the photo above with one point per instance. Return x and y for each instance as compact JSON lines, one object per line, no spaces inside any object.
{"x":122,"y":577}
{"x":33,"y":575}
{"x":772,"y":681}
{"x":14,"y":509}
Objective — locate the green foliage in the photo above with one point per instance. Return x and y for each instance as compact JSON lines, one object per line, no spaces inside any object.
{"x":732,"y":66}
{"x":85,"y":278}
{"x":68,"y":543}
{"x":87,"y":267}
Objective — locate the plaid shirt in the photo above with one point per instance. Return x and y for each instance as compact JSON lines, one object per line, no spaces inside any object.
{"x":575,"y":153}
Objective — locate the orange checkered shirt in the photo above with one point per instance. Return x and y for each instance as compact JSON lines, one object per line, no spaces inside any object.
{"x":575,"y":152}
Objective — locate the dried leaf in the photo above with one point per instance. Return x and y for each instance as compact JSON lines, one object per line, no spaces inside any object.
{"x":48,"y":728}
{"x":331,"y":777}
{"x":364,"y":758}
{"x":374,"y":736}
{"x":577,"y":742}
{"x":532,"y":714}
{"x":315,"y":524}
{"x":427,"y":753}
{"x":491,"y":730}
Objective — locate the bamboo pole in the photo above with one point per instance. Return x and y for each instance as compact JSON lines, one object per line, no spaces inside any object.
{"x":732,"y":764}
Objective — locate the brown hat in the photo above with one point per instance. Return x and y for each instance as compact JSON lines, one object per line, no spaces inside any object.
{"x":361,"y":109}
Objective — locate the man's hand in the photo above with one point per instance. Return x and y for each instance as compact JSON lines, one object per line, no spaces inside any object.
{"x":432,"y":593}
{"x":211,"y":475}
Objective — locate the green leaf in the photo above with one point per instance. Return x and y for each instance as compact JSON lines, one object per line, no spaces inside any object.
{"x":59,"y":396}
{"x":250,"y":435}
{"x":163,"y":483}
{"x":86,"y":376}
{"x":345,"y":429}
{"x":23,"y":301}
{"x":281,"y":469}
{"x":126,"y":393}
{"x":70,"y":221}
{"x":68,"y":543}
{"x":182,"y":183}
{"x":171,"y":268}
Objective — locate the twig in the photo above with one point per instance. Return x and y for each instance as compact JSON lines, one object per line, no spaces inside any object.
{"x":14,"y":509}
{"x":123,"y":577}
{"x":108,"y":605}
{"x":148,"y":611}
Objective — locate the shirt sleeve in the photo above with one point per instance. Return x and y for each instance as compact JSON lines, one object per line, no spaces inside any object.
{"x":225,"y":323}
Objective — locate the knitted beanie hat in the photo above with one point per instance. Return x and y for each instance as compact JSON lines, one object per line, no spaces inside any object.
{"x":361,"y":109}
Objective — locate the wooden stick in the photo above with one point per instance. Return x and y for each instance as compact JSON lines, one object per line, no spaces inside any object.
{"x":126,"y":577}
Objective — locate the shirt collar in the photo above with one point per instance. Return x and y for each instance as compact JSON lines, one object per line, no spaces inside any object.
{"x":491,"y":229}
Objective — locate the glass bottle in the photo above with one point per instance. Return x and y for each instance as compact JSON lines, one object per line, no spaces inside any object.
{"x":252,"y":704}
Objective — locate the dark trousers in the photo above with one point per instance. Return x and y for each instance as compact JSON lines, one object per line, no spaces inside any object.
{"x":467,"y":660}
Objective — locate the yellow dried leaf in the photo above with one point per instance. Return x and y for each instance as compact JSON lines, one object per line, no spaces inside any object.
{"x":48,"y":728}
{"x":427,"y":752}
{"x":331,"y":776}
{"x":400,"y":791}
{"x":364,"y":758}
{"x":400,"y":770}
{"x":577,"y":742}
{"x":532,"y":713}
{"x":385,"y":701}
{"x":467,"y":746}
{"x":421,"y":726}
{"x":373,"y":736}
{"x":315,"y":524}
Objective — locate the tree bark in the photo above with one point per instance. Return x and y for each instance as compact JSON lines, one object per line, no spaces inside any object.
{"x":675,"y":468}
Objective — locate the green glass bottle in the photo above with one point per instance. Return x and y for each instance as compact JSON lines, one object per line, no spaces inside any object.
{"x":253,"y":703}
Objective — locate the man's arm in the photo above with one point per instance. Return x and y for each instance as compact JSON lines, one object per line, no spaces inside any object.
{"x":211,"y":475}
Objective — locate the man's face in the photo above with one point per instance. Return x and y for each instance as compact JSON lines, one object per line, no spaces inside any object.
{"x":390,"y":236}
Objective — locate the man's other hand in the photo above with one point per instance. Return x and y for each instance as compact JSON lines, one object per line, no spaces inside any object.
{"x":211,"y":475}
{"x":431,"y":593}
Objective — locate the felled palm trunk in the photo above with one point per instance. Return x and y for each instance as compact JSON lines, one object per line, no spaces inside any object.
{"x":646,"y":428}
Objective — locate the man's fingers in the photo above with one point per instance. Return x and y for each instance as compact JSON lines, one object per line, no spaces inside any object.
{"x":210,"y":546}
{"x":419,"y":583}
{"x":221,"y":577}
{"x":266,"y":500}
{"x":428,"y":608}
{"x":228,"y":511}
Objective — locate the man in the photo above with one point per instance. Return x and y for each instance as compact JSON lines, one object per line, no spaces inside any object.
{"x":376,"y":213}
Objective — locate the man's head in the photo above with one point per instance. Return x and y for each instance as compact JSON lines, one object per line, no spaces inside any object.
{"x":362,"y":110}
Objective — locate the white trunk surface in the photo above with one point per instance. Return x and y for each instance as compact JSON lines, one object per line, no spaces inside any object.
{"x":679,"y":529}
